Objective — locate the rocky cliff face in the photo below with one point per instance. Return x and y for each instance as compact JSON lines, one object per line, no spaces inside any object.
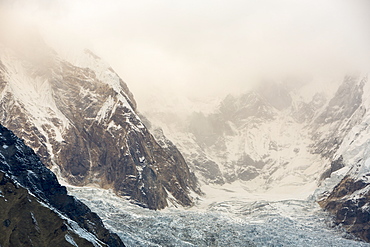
{"x":349,"y":202}
{"x":35,"y":209}
{"x":81,"y":119}
{"x":349,"y":173}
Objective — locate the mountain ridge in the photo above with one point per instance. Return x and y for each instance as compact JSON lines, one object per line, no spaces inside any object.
{"x":36,"y":209}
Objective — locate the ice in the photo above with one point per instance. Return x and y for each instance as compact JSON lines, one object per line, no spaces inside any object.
{"x":70,"y":240}
{"x":224,"y":223}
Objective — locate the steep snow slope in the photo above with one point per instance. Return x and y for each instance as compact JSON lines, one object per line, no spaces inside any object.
{"x":255,"y":138}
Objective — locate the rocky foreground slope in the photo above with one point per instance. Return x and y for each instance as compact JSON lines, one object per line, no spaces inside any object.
{"x":35,"y":209}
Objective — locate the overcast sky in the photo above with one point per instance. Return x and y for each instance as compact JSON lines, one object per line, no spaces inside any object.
{"x":210,"y":47}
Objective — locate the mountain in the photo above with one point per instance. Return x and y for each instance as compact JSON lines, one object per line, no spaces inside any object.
{"x":255,"y":138}
{"x":81,"y":119}
{"x":349,"y":200}
{"x":35,"y":209}
{"x":292,"y":139}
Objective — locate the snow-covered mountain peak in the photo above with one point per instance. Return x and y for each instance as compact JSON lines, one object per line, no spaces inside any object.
{"x":84,"y":58}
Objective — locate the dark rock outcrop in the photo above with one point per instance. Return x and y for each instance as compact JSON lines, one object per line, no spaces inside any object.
{"x":334,"y":166}
{"x":35,"y":209}
{"x":352,"y":212}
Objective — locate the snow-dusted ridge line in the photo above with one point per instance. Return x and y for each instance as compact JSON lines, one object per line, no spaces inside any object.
{"x":87,"y":59}
{"x":23,"y":169}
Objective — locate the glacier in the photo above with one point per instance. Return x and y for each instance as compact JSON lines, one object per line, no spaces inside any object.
{"x":224,"y":223}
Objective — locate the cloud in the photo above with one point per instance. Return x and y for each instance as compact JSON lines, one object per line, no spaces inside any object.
{"x":211,"y":47}
{"x":211,"y":44}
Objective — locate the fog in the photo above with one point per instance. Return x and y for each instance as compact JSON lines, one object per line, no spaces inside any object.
{"x":209,"y":48}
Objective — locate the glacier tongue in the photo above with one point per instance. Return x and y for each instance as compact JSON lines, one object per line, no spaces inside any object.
{"x":225,"y":223}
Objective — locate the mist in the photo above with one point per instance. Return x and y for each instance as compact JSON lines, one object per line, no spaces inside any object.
{"x":209,"y":48}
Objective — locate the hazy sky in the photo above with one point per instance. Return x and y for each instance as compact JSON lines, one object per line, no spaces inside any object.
{"x":210,"y":47}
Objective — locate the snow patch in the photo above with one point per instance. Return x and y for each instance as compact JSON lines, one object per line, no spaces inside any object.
{"x":70,"y":240}
{"x":113,"y":125}
{"x":73,"y":226}
{"x":106,"y":109}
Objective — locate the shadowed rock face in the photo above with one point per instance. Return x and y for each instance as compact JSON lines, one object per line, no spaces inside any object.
{"x":352,"y":213}
{"x":27,"y":222}
{"x":83,"y":120}
{"x":334,"y":166}
{"x":35,"y":209}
